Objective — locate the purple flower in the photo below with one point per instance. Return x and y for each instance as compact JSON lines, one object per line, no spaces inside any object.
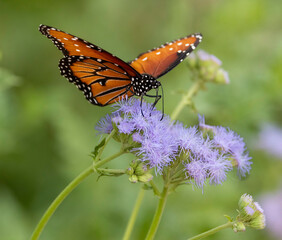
{"x":204,"y":56}
{"x":105,"y":125}
{"x":197,"y":170}
{"x":163,"y":143}
{"x":231,"y":144}
{"x":218,"y":169}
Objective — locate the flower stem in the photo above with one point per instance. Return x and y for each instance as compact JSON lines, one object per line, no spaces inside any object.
{"x":52,"y":208}
{"x":158,"y":215}
{"x":102,"y":162}
{"x":68,"y":189}
{"x":133,"y":216}
{"x":212,"y":231}
{"x":155,"y":188}
{"x":108,"y":138}
{"x":186,"y":99}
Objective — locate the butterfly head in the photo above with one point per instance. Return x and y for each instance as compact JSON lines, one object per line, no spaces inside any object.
{"x":142,"y":85}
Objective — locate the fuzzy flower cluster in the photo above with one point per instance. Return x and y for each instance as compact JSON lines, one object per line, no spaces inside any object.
{"x":161,"y":143}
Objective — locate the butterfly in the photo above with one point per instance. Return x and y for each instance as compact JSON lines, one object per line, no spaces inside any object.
{"x":105,"y":78}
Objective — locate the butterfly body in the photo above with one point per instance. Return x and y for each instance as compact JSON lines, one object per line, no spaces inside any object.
{"x":104,"y":78}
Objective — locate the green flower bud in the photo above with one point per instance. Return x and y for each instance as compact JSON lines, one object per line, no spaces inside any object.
{"x":239,"y":227}
{"x":145,"y":178}
{"x":250,"y":212}
{"x":245,"y":200}
{"x":258,"y":222}
{"x":140,"y":169}
{"x":133,"y":179}
{"x":221,"y":77}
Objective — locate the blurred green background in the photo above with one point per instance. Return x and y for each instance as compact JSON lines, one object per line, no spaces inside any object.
{"x":47,"y":127}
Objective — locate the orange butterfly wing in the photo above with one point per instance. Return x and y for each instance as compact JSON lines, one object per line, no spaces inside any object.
{"x":102,"y":77}
{"x":159,"y":61}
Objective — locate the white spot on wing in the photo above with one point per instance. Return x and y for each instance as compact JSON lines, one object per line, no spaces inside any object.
{"x":158,"y":53}
{"x":179,"y":44}
{"x":77,"y":50}
{"x":144,"y":59}
{"x":170,"y":49}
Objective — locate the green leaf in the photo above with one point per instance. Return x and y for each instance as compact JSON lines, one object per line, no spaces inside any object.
{"x":97,"y":148}
{"x":228,"y":218}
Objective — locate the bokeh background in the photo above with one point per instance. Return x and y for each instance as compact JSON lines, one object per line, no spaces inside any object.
{"x":47,"y":127}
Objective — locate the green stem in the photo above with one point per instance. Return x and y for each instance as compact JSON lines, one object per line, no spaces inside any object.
{"x":102,"y":162}
{"x":111,"y":171}
{"x":212,"y":231}
{"x":108,"y":138}
{"x":186,"y":99}
{"x":52,"y":208}
{"x":158,"y":215}
{"x":155,"y":188}
{"x":133,"y":216}
{"x":68,"y":189}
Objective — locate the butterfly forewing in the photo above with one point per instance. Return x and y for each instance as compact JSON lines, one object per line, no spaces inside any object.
{"x":102,"y":77}
{"x":159,"y":61}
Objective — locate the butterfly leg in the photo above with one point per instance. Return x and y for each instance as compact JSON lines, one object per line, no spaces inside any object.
{"x":141,"y":102}
{"x":157,"y":98}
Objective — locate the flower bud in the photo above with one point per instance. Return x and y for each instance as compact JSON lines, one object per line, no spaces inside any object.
{"x":258,"y":222}
{"x":138,"y":172}
{"x":245,"y":200}
{"x":140,"y":169}
{"x":133,"y":179}
{"x":145,"y":178}
{"x":250,"y":212}
{"x":239,"y":227}
{"x":221,"y":77}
